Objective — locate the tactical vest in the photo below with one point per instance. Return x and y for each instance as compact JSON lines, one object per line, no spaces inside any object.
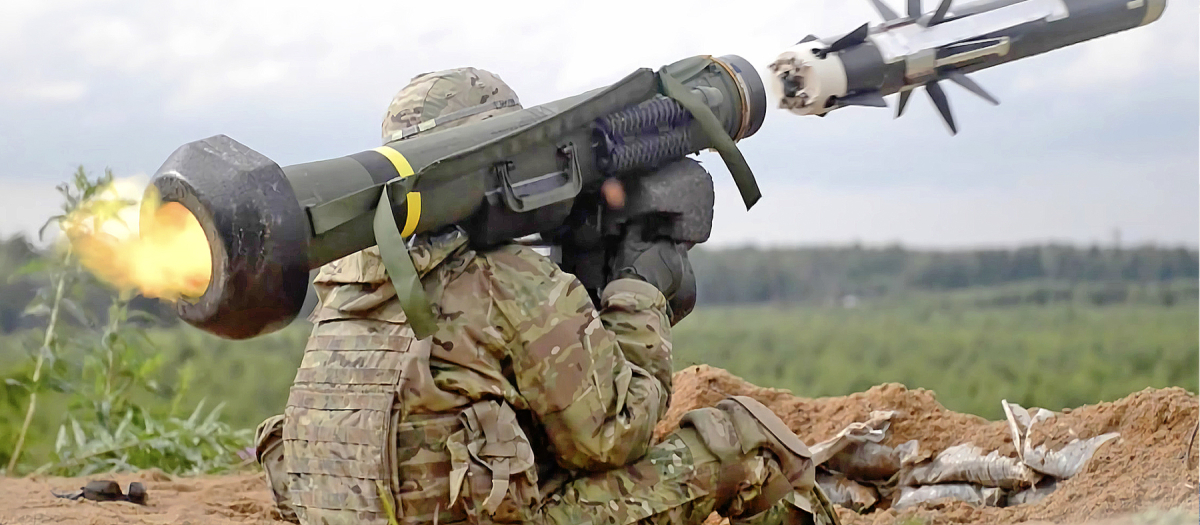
{"x":356,"y":454}
{"x":343,"y":419}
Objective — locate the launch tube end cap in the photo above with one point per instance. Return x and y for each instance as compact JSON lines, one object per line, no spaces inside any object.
{"x":257,"y":234}
{"x":754,"y":94}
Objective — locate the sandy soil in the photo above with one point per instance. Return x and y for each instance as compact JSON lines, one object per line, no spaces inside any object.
{"x":1150,"y":468}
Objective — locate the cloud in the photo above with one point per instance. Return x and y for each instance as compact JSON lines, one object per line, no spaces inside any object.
{"x":44,"y":91}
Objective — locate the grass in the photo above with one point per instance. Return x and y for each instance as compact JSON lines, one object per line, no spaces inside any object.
{"x":1055,"y":355}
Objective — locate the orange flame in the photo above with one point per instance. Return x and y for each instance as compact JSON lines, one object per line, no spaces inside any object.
{"x":168,"y":258}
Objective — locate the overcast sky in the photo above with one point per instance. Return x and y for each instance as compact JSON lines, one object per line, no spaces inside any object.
{"x":1088,"y":139}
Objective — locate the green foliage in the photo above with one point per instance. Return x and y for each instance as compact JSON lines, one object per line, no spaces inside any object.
{"x":252,"y":376}
{"x":199,"y":444}
{"x":54,"y":298}
{"x":105,"y":369}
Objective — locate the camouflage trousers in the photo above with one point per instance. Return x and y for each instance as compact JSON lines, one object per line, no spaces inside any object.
{"x":679,"y":481}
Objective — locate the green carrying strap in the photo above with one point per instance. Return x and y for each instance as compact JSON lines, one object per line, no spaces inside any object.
{"x":394,"y":252}
{"x":742,"y":176}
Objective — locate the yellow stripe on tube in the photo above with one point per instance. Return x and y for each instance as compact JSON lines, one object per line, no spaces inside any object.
{"x":414,"y":198}
{"x":414,"y":214}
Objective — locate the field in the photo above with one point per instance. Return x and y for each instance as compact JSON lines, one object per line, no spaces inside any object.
{"x":1053,"y":356}
{"x":971,"y":352}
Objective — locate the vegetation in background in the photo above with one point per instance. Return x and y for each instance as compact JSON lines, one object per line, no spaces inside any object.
{"x":751,"y":275}
{"x":1053,"y":356}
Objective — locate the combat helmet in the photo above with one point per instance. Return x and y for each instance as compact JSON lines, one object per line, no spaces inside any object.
{"x":445,"y":99}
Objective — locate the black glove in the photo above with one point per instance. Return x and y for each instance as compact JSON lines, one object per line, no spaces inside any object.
{"x":663,"y":263}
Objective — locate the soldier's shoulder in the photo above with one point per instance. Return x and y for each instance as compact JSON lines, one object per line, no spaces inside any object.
{"x":365,"y":266}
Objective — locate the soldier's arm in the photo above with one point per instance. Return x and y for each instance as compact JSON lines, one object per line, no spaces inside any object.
{"x":636,"y":312}
{"x":597,"y":407}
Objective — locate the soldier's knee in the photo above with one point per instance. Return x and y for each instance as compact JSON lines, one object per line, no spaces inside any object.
{"x":765,"y":468}
{"x":739,"y":429}
{"x":268,"y":450}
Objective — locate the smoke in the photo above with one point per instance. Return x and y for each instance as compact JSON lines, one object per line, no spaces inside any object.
{"x":156,"y":249}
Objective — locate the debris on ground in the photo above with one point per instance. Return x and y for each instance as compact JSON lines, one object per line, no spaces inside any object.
{"x":107,"y":490}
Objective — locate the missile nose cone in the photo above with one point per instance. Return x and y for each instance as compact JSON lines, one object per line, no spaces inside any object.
{"x":1154,"y":10}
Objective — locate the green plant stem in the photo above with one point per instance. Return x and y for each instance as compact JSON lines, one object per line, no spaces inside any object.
{"x":37,"y":369}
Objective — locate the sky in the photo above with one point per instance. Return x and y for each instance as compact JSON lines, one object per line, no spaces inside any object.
{"x":1088,"y":140}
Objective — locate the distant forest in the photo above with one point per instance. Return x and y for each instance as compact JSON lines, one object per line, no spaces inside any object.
{"x":814,"y":275}
{"x":792,"y":275}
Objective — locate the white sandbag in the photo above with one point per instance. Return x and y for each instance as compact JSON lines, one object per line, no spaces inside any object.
{"x":966,"y":463}
{"x":1068,"y":461}
{"x":909,"y":453}
{"x":1032,"y":494}
{"x":1020,"y":424}
{"x":847,"y":493}
{"x":874,"y":430}
{"x":913,"y":496}
{"x":1060,"y":464}
{"x":872,"y":461}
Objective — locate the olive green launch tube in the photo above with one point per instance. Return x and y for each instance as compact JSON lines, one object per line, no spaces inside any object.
{"x":502,"y":178}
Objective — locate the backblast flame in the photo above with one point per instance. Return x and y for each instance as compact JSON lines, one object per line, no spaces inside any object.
{"x":157,"y":249}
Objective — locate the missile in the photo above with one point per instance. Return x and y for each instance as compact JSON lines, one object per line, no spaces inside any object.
{"x":923,"y":49}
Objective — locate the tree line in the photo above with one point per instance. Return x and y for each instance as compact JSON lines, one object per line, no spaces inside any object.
{"x":751,"y":275}
{"x":790,"y":275}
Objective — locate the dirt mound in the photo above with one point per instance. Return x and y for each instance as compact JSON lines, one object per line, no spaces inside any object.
{"x":1150,"y":467}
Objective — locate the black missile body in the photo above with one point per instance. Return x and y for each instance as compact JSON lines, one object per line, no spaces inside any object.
{"x":817,"y":75}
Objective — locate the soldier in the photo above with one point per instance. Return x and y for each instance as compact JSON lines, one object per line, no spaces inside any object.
{"x":529,"y":404}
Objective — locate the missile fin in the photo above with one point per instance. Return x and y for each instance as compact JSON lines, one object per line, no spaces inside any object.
{"x":809,"y":38}
{"x":940,"y":14}
{"x":903,"y":102}
{"x":943,"y":106}
{"x":870,"y":99}
{"x":884,"y":11}
{"x":914,"y":9}
{"x":970,"y":85}
{"x":851,"y":39}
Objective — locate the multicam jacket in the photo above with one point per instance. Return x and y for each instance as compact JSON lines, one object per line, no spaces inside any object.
{"x":523,"y":372}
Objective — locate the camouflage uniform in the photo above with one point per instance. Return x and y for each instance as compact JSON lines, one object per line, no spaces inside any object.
{"x":528,"y":405}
